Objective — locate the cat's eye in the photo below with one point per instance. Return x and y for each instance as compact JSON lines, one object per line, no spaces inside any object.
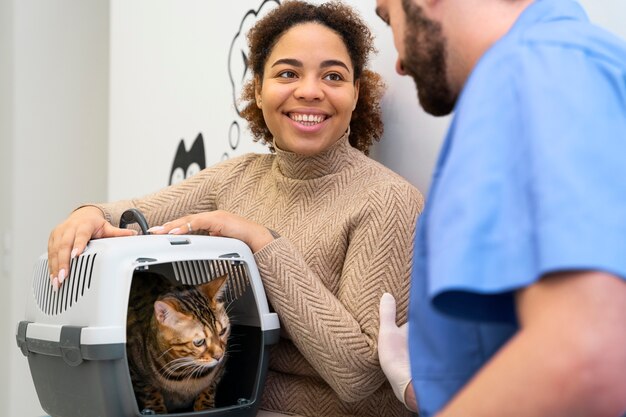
{"x":223,"y":331}
{"x":199,"y":342}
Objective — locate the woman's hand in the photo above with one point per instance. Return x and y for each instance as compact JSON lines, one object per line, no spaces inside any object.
{"x":70,"y":238}
{"x":219,"y":223}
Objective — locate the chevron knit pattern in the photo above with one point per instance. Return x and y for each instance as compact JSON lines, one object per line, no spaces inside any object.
{"x":346,"y":224}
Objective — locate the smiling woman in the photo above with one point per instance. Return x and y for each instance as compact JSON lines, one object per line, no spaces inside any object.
{"x":308,"y":90}
{"x":331,"y":230}
{"x":336,"y":45}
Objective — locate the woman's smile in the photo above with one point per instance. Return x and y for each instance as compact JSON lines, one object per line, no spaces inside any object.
{"x":308,"y":122}
{"x":307,"y":119}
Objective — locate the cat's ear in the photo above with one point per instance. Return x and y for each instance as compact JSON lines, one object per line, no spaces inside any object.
{"x":214,"y":289}
{"x":165,"y":313}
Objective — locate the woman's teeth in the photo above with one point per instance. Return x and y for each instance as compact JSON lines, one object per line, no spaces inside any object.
{"x":307,"y":119}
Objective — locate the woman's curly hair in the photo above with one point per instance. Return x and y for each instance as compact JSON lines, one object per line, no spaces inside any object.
{"x":366,"y":124}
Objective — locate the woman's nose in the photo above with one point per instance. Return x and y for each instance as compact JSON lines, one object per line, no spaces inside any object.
{"x":309,"y":89}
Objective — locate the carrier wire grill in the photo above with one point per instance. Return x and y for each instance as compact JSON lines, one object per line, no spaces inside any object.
{"x":53,"y":302}
{"x":196,"y":272}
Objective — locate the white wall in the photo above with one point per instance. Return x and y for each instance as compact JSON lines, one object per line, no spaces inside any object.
{"x":169,"y":81}
{"x":55,"y":88}
{"x":54,"y":143}
{"x":607,"y":13}
{"x":6,"y":126}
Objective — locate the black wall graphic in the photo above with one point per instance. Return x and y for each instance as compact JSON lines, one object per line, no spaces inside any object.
{"x":238,"y":70}
{"x":188,"y":162}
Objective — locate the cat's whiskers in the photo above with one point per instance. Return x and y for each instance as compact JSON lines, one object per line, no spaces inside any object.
{"x":230,"y":346}
{"x":188,"y":366}
{"x":227,"y":306}
{"x":197,"y":370}
{"x":187,"y":371}
{"x":188,"y":381}
{"x":164,"y":353}
{"x":175,"y":365}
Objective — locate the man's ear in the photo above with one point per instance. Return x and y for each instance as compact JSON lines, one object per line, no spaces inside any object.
{"x":432,"y":8}
{"x":257,"y":91}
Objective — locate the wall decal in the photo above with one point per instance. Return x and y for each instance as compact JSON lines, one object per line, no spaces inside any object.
{"x":238,"y":70}
{"x":188,"y":162}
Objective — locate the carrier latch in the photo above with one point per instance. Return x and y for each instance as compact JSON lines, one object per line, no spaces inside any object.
{"x":69,"y":344}
{"x":21,"y":336}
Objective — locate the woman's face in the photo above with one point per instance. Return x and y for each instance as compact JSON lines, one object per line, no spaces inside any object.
{"x":308,"y":91}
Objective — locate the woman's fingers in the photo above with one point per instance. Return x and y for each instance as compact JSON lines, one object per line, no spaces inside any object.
{"x":219,"y":223}
{"x":186,"y":225}
{"x":63,"y":258}
{"x":108,"y":230}
{"x":52,"y":259}
{"x":73,"y":243}
{"x":70,"y":238}
{"x":215,"y":223}
{"x":59,"y":252}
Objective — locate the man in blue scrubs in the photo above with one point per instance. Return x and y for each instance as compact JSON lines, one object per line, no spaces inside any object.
{"x":518,"y":293}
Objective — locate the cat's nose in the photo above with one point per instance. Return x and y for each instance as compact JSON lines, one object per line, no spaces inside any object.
{"x":217,"y":353}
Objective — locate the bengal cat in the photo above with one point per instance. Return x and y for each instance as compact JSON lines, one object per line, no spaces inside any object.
{"x":176,"y":343}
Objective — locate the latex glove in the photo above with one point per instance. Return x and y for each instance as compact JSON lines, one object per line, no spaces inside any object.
{"x":393,"y":348}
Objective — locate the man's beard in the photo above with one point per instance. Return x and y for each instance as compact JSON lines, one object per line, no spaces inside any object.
{"x":425,"y":61}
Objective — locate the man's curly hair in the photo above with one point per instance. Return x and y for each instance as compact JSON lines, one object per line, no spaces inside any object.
{"x":366,"y":124}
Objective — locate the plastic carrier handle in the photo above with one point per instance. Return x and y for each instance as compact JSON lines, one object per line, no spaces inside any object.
{"x":131,"y":216}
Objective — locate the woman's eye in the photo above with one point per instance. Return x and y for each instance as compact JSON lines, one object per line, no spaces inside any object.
{"x":287,"y":74}
{"x":333,"y":77}
{"x":199,"y":342}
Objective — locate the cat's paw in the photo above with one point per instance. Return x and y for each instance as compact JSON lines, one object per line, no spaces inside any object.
{"x":204,"y":401}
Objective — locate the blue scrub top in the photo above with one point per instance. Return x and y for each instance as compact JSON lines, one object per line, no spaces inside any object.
{"x":531,"y":179}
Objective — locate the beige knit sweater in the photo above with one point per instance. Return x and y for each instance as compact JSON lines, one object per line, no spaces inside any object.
{"x":346,"y":224}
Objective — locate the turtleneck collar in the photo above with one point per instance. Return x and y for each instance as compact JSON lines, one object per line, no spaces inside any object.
{"x":330,"y":161}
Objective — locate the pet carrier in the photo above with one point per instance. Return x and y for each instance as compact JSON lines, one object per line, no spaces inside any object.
{"x":75,"y":338}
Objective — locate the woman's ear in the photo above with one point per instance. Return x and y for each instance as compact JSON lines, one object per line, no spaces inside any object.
{"x":356,"y":93}
{"x":257,"y":91}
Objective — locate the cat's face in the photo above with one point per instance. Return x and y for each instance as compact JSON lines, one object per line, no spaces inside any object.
{"x":193,"y":325}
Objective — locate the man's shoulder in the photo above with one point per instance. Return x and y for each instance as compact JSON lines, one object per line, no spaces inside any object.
{"x":570,"y":38}
{"x":555,"y":54}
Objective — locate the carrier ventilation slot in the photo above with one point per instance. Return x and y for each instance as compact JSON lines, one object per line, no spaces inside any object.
{"x":53,"y":302}
{"x":199,"y":272}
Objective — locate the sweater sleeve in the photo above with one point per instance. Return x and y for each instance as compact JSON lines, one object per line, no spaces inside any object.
{"x":194,"y":195}
{"x":337,"y":331}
